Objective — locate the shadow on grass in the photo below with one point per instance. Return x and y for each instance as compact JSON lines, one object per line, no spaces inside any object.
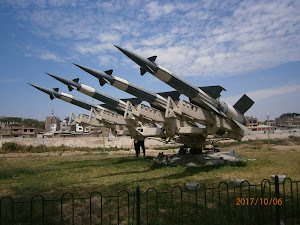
{"x":97,"y":162}
{"x":190,"y":171}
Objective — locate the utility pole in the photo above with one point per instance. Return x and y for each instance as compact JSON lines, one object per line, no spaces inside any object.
{"x":268,"y":117}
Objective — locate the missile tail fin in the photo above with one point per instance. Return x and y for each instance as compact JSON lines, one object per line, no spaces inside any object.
{"x":56,"y":89}
{"x":51,"y":96}
{"x":152,"y":58}
{"x":101,"y":81}
{"x":173,"y":94}
{"x":213,"y":91}
{"x":76,"y":80}
{"x":134,"y":101}
{"x":109,"y":72}
{"x":70,"y":88}
{"x":143,"y":71}
{"x":243,"y":104}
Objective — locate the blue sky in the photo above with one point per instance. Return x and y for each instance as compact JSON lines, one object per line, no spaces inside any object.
{"x":248,"y":47}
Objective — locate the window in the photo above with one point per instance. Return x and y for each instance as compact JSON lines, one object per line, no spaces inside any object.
{"x":31,"y":130}
{"x":25,"y":130}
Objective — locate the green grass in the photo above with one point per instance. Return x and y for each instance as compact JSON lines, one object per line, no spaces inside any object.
{"x":12,"y":147}
{"x":81,"y":174}
{"x":97,"y":171}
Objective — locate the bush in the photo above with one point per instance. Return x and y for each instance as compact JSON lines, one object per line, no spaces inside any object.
{"x":10,"y":147}
{"x":294,"y":139}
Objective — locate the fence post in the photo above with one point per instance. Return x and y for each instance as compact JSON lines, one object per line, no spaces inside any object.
{"x":138,"y":206}
{"x":277,"y":197}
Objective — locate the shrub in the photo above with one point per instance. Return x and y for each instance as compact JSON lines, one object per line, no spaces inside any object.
{"x":10,"y":147}
{"x":294,"y":139}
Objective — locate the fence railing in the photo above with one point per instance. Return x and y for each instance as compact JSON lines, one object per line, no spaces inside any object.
{"x":270,"y":202}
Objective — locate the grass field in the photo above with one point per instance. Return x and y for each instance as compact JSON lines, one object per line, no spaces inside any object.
{"x":81,"y":174}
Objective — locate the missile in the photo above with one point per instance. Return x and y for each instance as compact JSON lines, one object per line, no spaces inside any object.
{"x":195,"y":94}
{"x":109,"y":100}
{"x":55,"y":93}
{"x":153,"y":98}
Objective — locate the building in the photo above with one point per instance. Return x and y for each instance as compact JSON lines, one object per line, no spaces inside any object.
{"x":52,"y":123}
{"x":77,"y":128}
{"x":20,"y":132}
{"x":288,"y":121}
{"x":253,"y":124}
{"x":64,"y":126}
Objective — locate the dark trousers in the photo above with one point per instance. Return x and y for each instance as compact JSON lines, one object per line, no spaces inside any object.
{"x":137,"y":147}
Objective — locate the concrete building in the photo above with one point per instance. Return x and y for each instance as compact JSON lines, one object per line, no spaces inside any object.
{"x":52,"y":123}
{"x":288,"y":121}
{"x":64,"y":127}
{"x":253,"y":125}
{"x":19,"y":132}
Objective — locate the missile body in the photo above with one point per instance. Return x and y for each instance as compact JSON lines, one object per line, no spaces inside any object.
{"x":124,"y":85}
{"x":55,"y":93}
{"x":92,"y":92}
{"x":194,"y":93}
{"x":114,"y":120}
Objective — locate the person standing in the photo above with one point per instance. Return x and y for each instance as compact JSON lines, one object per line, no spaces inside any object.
{"x":137,"y":148}
{"x":142,"y":144}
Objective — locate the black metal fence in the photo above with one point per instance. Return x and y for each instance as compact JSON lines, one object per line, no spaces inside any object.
{"x":266,"y":203}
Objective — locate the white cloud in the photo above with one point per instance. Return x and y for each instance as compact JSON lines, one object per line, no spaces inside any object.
{"x":200,"y":38}
{"x":263,"y":95}
{"x":275,"y":101}
{"x":273,"y":92}
{"x":50,"y":56}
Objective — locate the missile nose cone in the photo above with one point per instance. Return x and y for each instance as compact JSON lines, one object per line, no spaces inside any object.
{"x":31,"y":84}
{"x":126,"y":52}
{"x":104,"y":77}
{"x":146,"y":64}
{"x":129,"y":54}
{"x":37,"y":87}
{"x":52,"y":75}
{"x":86,"y":69}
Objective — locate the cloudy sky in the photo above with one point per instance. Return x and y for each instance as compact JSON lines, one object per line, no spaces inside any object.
{"x":250,"y":47}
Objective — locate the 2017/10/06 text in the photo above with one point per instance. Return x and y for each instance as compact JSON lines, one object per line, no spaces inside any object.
{"x":258,"y":201}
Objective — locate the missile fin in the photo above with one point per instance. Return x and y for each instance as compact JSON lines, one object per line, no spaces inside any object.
{"x":109,"y":72}
{"x":134,"y":101}
{"x":56,"y":89}
{"x":152,"y":58}
{"x":173,"y":94}
{"x":242,"y":127}
{"x":70,"y":88}
{"x":51,"y":96}
{"x":102,"y":81}
{"x":213,"y":91}
{"x":76,"y":80}
{"x":143,"y":71}
{"x":243,"y":104}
